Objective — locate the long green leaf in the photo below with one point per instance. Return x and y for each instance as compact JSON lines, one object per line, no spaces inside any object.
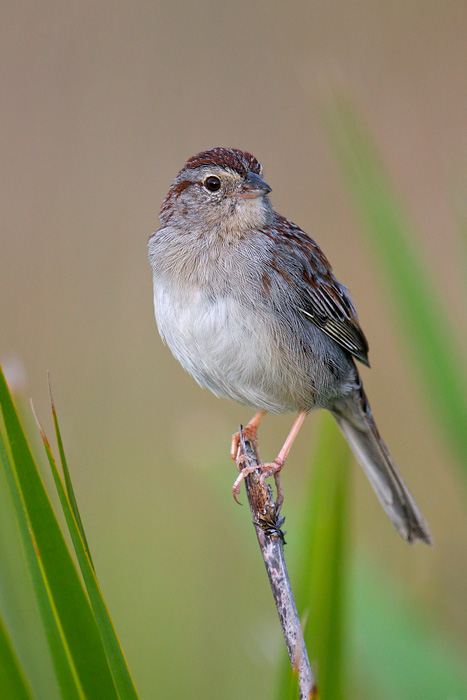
{"x":13,"y":683}
{"x":437,"y":359}
{"x":66,"y":676}
{"x":66,"y":474}
{"x":120,"y":671}
{"x":69,"y":602}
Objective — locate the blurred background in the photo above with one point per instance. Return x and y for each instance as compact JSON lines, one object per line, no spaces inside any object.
{"x":101,"y":105}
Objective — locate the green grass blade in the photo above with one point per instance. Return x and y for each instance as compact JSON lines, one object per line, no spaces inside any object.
{"x":293,"y":691}
{"x":66,"y":474}
{"x":81,"y":637}
{"x":120,"y":671}
{"x":438,"y":360}
{"x":13,"y":683}
{"x":401,"y":651}
{"x":65,"y":672}
{"x":323,"y":566}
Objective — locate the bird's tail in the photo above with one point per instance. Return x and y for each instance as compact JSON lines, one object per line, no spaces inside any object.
{"x":357,"y":425}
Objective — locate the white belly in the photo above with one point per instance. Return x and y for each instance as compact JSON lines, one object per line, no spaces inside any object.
{"x":217,"y":341}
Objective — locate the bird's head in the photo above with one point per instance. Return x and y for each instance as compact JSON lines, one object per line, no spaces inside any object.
{"x":219,"y":189}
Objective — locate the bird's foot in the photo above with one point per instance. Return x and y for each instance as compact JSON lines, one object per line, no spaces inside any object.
{"x":269,"y":469}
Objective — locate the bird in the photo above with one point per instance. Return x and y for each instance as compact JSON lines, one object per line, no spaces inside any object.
{"x":249,"y":305}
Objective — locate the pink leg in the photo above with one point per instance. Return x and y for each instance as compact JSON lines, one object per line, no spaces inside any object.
{"x":272,"y":468}
{"x":283,"y":454}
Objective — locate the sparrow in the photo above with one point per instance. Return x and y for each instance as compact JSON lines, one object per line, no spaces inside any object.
{"x":249,"y":305}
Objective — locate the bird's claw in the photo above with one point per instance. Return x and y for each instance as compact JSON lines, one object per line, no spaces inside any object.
{"x":269,"y":469}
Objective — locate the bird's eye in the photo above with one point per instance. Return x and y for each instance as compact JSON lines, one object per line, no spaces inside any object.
{"x":212,"y":183}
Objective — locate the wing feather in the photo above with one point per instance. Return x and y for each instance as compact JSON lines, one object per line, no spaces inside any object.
{"x":323,"y":300}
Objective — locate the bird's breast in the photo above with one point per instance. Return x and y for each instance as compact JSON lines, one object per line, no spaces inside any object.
{"x":217,"y":339}
{"x":202,"y":330}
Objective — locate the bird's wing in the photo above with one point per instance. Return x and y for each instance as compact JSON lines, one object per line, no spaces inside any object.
{"x":323,"y":300}
{"x":346,"y":333}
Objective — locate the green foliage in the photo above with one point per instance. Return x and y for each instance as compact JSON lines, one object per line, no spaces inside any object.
{"x":85,"y":652}
{"x":355,"y":620}
{"x":437,"y":359}
{"x":397,"y":647}
{"x":325,"y":558}
{"x":391,"y":649}
{"x":322,"y":570}
{"x":388,"y":633}
{"x":118,"y":665}
{"x":12,"y":681}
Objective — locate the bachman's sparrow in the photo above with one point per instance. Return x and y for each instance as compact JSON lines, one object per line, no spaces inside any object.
{"x":249,"y":305}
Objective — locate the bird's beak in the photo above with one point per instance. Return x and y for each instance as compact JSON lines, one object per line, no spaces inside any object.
{"x":254,"y":186}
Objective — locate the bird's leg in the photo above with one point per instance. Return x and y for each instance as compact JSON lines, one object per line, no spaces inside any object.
{"x":249,"y":433}
{"x":272,"y":468}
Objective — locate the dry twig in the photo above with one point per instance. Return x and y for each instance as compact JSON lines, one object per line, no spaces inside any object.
{"x":268,"y":524}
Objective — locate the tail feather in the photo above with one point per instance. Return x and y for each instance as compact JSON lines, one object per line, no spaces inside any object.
{"x":383,"y":474}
